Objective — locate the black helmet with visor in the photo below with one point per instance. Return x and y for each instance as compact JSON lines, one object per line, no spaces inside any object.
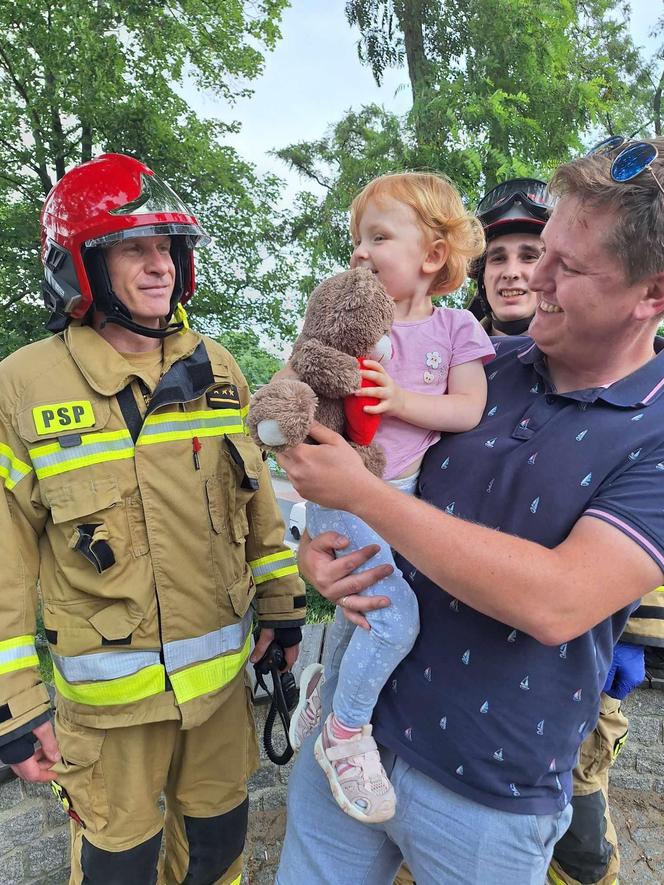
{"x":520,"y":205}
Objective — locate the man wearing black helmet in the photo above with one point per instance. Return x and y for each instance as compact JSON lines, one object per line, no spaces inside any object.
{"x":513,"y":214}
{"x":133,"y":495}
{"x":535,"y":537}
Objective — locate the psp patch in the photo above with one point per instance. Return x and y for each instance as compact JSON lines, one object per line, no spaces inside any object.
{"x":223,"y":396}
{"x":54,"y":417}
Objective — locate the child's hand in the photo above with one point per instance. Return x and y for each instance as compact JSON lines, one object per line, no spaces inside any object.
{"x":389,"y":393}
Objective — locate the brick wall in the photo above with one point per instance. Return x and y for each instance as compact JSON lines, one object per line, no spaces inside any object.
{"x":34,"y":830}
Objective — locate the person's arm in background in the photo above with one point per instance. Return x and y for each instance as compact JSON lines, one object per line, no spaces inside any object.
{"x":25,"y":707}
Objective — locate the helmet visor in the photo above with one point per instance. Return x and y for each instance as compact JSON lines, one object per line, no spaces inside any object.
{"x":155,"y":196}
{"x":193,"y":234}
{"x":531,"y":192}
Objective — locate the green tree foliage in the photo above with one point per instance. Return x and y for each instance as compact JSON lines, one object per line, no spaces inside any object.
{"x":500,"y":88}
{"x":85,"y":76}
{"x":257,"y":365}
{"x":361,"y":146}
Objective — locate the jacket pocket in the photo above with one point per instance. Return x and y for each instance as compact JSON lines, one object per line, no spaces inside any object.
{"x":246,"y":465}
{"x":70,"y":500}
{"x":116,"y":623}
{"x":241,"y":592}
{"x":80,"y":772}
{"x":231,"y":490}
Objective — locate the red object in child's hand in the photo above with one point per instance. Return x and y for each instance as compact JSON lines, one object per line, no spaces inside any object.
{"x":360,"y":426}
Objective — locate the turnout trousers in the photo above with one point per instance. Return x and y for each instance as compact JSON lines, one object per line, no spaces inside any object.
{"x":588,"y":852}
{"x":114,"y":780}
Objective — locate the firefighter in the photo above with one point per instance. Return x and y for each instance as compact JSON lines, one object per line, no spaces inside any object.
{"x":588,"y":852}
{"x":132,"y":494}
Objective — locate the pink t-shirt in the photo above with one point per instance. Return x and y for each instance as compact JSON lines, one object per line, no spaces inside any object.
{"x":422,"y":355}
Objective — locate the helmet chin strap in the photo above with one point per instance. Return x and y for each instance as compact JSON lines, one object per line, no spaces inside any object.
{"x":511,"y":327}
{"x":132,"y":326}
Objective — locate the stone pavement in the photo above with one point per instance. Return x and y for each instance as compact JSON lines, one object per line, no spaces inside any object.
{"x":33,"y":829}
{"x":636,"y":795}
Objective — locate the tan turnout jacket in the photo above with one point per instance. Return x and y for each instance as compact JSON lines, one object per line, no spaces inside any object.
{"x":150,"y":531}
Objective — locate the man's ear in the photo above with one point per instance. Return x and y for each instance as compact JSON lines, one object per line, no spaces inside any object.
{"x":652,"y":303}
{"x":436,"y":257}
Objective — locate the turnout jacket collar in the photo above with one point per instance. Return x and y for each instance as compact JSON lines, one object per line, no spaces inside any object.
{"x":106,"y":370}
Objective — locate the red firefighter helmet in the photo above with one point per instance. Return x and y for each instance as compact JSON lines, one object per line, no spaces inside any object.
{"x":96,"y":204}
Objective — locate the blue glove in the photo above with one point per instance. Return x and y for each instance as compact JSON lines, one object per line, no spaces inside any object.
{"x":627,"y":670}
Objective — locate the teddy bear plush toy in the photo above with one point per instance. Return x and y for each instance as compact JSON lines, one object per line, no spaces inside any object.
{"x":348,"y":318}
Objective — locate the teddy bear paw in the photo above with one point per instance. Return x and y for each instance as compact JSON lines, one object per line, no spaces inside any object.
{"x":270,"y":433}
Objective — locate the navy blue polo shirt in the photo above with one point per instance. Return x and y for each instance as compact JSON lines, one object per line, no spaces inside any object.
{"x":481,"y":707}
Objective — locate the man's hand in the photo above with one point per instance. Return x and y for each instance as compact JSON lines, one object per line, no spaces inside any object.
{"x":391,"y":396}
{"x":265,"y":637}
{"x":37,"y":769}
{"x":627,"y":670}
{"x":335,"y":577}
{"x":332,"y":473}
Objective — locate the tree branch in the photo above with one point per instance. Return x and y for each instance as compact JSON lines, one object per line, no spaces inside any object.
{"x":657,"y":105}
{"x":42,"y":171}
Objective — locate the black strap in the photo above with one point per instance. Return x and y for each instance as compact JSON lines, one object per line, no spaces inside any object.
{"x":96,"y":551}
{"x":130,"y":411}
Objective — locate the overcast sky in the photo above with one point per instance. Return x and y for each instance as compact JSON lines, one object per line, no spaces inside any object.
{"x":314,"y":76}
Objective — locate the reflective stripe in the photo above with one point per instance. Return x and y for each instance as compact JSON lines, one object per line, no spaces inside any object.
{"x":18,"y":653}
{"x":11,"y":468}
{"x":210,"y":675}
{"x":95,"y":448}
{"x":552,"y":876}
{"x":276,"y":565}
{"x":184,"y":425}
{"x":184,"y":652}
{"x":125,"y":690}
{"x":107,"y":678}
{"x":103,"y":665}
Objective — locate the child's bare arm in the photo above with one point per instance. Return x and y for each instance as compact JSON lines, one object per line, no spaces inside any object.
{"x":459,"y":409}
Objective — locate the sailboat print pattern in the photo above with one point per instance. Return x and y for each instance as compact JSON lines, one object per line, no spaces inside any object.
{"x":477,"y":712}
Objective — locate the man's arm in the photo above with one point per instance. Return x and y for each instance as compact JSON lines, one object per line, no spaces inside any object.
{"x":552,"y":594}
{"x":24,"y":701}
{"x":280,"y":601}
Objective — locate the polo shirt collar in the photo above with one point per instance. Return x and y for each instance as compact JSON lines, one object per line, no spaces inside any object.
{"x":641,"y":388}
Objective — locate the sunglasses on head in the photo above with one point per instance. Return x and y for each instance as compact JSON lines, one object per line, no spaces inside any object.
{"x":631,"y":161}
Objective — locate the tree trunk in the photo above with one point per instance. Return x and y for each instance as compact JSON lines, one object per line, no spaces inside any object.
{"x":411,"y":20}
{"x":86,"y":143}
{"x":657,"y":106}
